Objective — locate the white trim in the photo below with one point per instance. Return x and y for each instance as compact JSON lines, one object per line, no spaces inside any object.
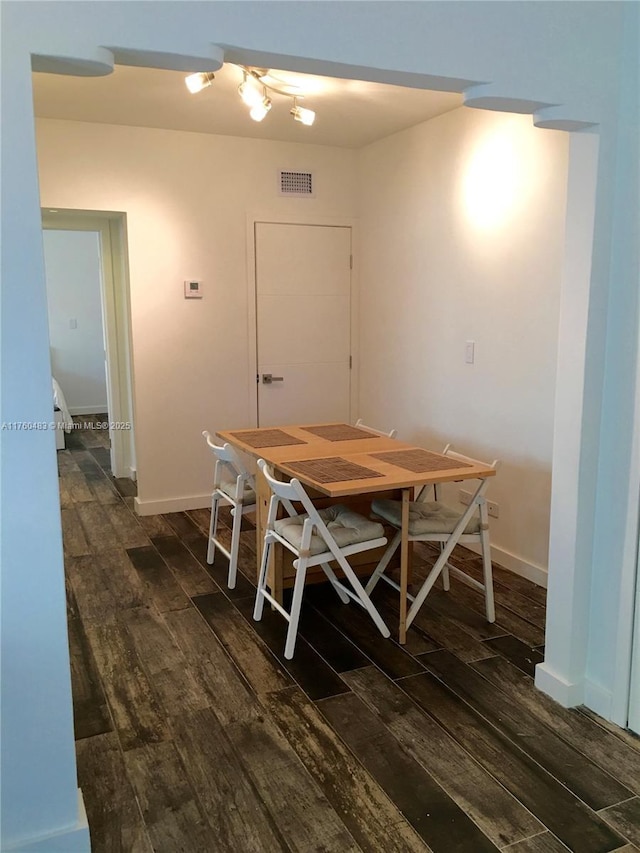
{"x":586,"y":692}
{"x":120,"y":343}
{"x":634,"y":682}
{"x":74,"y":839}
{"x":565,"y":693}
{"x":625,"y":694}
{"x":625,"y":705}
{"x":536,"y":574}
{"x":355,"y":320}
{"x":573,"y":484}
{"x":117,"y":321}
{"x":172,"y":504}
{"x":252,"y":320}
{"x":598,"y":698}
{"x":625,"y":698}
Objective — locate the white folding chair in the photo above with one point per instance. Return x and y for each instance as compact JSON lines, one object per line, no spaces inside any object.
{"x":315,"y":538}
{"x":434,"y":521}
{"x":232,"y":484}
{"x":391,"y":434}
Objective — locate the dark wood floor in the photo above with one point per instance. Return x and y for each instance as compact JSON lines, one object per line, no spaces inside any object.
{"x":194,"y":734}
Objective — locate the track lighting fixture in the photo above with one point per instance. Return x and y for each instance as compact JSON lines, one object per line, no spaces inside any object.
{"x":259,"y":110}
{"x":197,"y":82}
{"x":249,"y":90}
{"x":255,"y":90}
{"x":301,"y":114}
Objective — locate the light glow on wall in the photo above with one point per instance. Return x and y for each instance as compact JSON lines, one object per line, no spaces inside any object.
{"x":494,"y":180}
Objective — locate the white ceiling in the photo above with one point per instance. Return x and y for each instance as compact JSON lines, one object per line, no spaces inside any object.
{"x":349,"y":113}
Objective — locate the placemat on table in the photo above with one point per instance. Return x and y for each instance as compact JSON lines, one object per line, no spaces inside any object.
{"x":333,"y":469}
{"x":266,"y":438}
{"x":339,"y":432}
{"x":419,"y":461}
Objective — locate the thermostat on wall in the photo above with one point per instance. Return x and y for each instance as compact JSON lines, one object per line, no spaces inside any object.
{"x":193,"y":289}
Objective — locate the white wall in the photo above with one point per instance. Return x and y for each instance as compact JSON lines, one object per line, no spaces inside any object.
{"x":572,"y":65}
{"x":186,"y":197}
{"x":462,"y":223}
{"x":74,"y":295}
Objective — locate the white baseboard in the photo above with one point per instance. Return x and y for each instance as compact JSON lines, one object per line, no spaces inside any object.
{"x":569,"y":694}
{"x":74,"y":839}
{"x":566,"y":693}
{"x":514,"y":564}
{"x":172,"y":504}
{"x":599,"y":699}
{"x":96,"y":409}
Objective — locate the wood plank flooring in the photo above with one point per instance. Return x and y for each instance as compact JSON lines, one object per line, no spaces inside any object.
{"x":194,"y":733}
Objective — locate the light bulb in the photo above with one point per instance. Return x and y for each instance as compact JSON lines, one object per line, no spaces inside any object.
{"x":197,"y":82}
{"x":249,"y":91}
{"x":258,"y":111}
{"x":303,"y":115}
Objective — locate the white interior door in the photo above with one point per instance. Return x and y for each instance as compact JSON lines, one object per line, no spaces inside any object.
{"x":303,"y":309}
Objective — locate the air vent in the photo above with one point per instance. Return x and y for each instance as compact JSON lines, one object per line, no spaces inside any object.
{"x":296,"y":183}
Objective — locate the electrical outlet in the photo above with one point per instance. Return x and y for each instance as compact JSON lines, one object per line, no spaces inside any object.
{"x":464,"y":497}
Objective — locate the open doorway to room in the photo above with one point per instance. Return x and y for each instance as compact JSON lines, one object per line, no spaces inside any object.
{"x":85,"y":265}
{"x":487,"y":191}
{"x":194,"y":234}
{"x":449,"y":206}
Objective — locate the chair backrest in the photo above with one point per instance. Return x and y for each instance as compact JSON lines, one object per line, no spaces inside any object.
{"x":286,"y":491}
{"x":452,"y":454}
{"x":283,"y":489}
{"x":293,"y":490}
{"x":226,"y":459}
{"x":460,"y":457}
{"x":391,"y":434}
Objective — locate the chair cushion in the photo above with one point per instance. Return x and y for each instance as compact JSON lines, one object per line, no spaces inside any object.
{"x":346,"y":527}
{"x":424,"y":517}
{"x":229,"y":488}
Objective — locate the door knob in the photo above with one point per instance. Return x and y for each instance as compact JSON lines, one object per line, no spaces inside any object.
{"x":268,"y":378}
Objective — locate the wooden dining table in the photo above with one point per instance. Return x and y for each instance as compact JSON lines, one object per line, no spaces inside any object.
{"x":337,"y":460}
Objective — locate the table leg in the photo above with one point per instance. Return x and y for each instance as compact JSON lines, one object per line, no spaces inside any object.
{"x":263,"y":496}
{"x":404,"y":566}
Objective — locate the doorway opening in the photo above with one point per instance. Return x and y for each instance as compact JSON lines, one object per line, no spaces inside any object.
{"x":87,"y":275}
{"x":567,"y":512}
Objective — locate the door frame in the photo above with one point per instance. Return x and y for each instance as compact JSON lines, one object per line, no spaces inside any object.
{"x":116,"y":309}
{"x":633,"y":702}
{"x":271,"y":218}
{"x":627,"y":695}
